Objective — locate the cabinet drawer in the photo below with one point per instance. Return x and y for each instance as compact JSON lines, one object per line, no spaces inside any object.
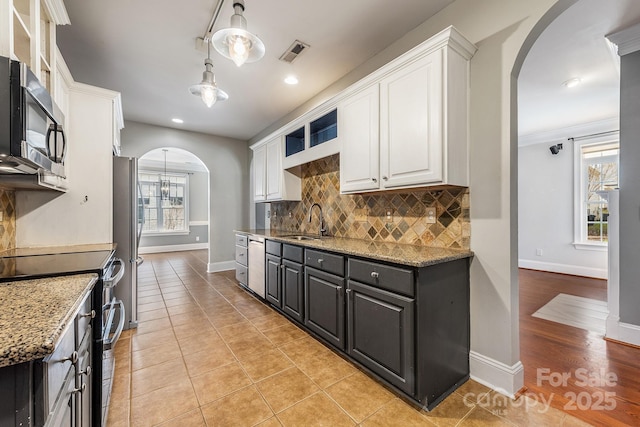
{"x":293,"y":253}
{"x":325,"y":261}
{"x":84,"y":319}
{"x":241,"y":273}
{"x":382,"y":276}
{"x":241,"y":240}
{"x":273,"y":248}
{"x":241,"y":255}
{"x":57,"y":365}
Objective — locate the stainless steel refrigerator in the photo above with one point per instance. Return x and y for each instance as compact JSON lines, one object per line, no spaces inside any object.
{"x":128,"y":219}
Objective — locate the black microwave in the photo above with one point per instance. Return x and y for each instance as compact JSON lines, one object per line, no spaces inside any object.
{"x":32,"y":139}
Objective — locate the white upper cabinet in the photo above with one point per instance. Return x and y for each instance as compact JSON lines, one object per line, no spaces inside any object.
{"x":270,"y":181}
{"x":411,"y":113}
{"x":359,"y":153}
{"x":28,"y":34}
{"x":421,"y":120}
{"x":274,"y":170}
{"x":260,"y":174}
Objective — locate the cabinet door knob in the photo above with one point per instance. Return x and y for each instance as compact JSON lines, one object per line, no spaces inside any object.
{"x":86,"y":372}
{"x":73,"y":358}
{"x":374,"y":179}
{"x":282,"y":266}
{"x":385,"y":178}
{"x":91,"y":314}
{"x":81,"y":389}
{"x":375,"y":274}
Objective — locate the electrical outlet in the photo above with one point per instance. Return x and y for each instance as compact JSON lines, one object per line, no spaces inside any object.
{"x":431,"y":215}
{"x":539,"y":252}
{"x":197,"y":238}
{"x":388,"y":216}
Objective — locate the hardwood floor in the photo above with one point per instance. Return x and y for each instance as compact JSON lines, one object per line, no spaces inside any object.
{"x":601,"y":383}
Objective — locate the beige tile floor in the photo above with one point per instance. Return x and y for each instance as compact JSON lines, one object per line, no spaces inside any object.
{"x":206,"y":353}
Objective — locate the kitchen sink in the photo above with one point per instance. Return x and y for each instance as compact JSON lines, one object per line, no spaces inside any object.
{"x":301,"y":237}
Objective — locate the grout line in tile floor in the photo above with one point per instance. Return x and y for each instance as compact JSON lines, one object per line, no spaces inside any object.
{"x":330,"y":395}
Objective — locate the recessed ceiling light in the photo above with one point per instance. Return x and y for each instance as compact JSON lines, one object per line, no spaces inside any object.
{"x":176,"y":120}
{"x":291,"y":80}
{"x":572,"y":82}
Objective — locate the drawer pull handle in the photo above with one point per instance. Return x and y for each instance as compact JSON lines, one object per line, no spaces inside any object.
{"x":73,"y":358}
{"x":86,"y":372}
{"x":91,"y":314}
{"x":320,"y":260}
{"x":375,"y":274}
{"x":282,"y":266}
{"x":385,"y":178}
{"x":81,"y":389}
{"x":241,"y":254}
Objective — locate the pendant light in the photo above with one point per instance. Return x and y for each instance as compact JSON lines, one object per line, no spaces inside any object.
{"x":207,"y":89}
{"x":164,"y":183}
{"x":236,"y":43}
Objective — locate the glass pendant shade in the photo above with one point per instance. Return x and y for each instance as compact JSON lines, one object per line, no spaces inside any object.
{"x":207,"y":89}
{"x":236,"y":43}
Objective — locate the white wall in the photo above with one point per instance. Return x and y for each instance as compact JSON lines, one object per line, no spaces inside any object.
{"x":546,"y":207}
{"x":53,"y":219}
{"x":227,"y":162}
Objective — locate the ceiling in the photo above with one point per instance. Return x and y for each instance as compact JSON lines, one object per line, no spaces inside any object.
{"x":574,"y":46}
{"x":146,"y":49}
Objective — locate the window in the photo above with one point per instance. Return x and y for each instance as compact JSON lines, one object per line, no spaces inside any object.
{"x":598,"y":167}
{"x":165,"y":202}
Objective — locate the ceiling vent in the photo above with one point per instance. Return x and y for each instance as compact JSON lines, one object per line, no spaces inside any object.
{"x":294,"y":51}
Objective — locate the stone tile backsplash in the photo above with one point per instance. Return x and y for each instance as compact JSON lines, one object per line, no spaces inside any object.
{"x":386,"y":216}
{"x":8,"y":223}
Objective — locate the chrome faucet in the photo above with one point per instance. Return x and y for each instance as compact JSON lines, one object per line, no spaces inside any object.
{"x":322,"y":229}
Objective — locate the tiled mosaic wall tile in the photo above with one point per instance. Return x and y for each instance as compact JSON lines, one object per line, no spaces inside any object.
{"x":8,"y":223}
{"x":365,"y":216}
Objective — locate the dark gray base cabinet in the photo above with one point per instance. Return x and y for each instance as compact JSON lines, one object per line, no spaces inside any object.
{"x":273,"y":292}
{"x":381,"y":333}
{"x":324,"y":306}
{"x":293,"y":289}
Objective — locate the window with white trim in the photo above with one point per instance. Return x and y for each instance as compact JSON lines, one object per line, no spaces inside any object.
{"x":165,"y":198}
{"x":598,"y":165}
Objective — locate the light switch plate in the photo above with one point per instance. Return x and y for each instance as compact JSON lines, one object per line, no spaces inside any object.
{"x":430,"y":214}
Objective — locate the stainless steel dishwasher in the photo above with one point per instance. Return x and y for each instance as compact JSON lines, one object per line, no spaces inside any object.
{"x":256,"y":265}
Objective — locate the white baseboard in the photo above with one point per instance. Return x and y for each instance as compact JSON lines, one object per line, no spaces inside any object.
{"x":172,"y":248}
{"x":576,"y":270}
{"x":505,"y":379}
{"x":623,"y":332}
{"x":214,"y":267}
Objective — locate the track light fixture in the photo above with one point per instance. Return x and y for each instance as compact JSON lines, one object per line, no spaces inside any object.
{"x":207,"y":89}
{"x":235,"y":42}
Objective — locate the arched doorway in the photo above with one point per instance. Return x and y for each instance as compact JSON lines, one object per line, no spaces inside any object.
{"x":175,"y":191}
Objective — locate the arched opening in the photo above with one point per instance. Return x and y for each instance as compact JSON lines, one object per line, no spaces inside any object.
{"x":567,"y":149}
{"x":175,"y":192}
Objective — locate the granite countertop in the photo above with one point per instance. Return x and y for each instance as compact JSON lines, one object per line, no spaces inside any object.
{"x":35,"y":313}
{"x":411,"y":255}
{"x":47,"y":250}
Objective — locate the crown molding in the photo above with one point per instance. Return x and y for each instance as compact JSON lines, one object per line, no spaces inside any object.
{"x":627,"y":40}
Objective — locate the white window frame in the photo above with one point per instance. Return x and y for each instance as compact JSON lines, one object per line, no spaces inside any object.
{"x":187,"y":230}
{"x":580,"y":240}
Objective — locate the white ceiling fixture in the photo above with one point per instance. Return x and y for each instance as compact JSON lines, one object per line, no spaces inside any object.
{"x":235,"y":42}
{"x":291,"y":80}
{"x":207,"y":89}
{"x":572,"y":82}
{"x":177,"y":120}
